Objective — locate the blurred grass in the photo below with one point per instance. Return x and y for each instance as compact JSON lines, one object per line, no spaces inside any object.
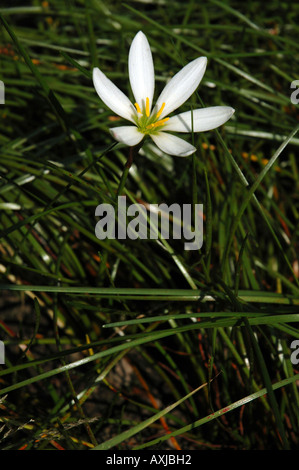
{"x":106,"y":340}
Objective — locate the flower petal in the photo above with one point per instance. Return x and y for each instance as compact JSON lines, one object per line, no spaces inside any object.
{"x":172,"y":144}
{"x":181,"y":86}
{"x":204,"y":119}
{"x":128,"y":135}
{"x":141,"y":70}
{"x":112,"y":96}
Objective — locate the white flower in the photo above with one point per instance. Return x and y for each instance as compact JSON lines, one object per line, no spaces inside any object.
{"x":152,"y":120}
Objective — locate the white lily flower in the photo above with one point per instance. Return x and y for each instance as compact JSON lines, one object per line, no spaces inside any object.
{"x":152,"y":120}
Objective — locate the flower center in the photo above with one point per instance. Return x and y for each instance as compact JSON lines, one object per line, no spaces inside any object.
{"x":148,"y":123}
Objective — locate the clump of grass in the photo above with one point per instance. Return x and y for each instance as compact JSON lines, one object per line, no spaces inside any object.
{"x":135,"y":344}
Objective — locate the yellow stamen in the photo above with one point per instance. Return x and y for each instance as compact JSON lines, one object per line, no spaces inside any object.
{"x":157,"y":124}
{"x":160,"y":110}
{"x":147,"y":107}
{"x":138,"y":108}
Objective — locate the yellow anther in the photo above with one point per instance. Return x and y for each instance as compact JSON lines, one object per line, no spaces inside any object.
{"x":147,"y":107}
{"x":138,"y":108}
{"x":160,"y":110}
{"x":157,"y":124}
